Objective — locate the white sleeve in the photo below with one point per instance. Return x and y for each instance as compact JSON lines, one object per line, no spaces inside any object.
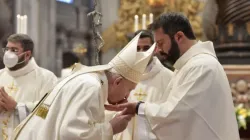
{"x":141,"y":110}
{"x":145,"y":131}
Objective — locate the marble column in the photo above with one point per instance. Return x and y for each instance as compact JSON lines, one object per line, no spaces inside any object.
{"x":41,"y":28}
{"x":47,"y":34}
{"x":109,"y":9}
{"x":5,"y":26}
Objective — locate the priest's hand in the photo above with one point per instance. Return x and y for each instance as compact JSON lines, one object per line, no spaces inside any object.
{"x":2,"y":104}
{"x":8,"y":102}
{"x":120,"y":122}
{"x":2,"y":108}
{"x":130,"y":108}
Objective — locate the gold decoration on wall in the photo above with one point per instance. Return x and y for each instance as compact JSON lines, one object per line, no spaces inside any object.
{"x":230,"y":30}
{"x":192,"y":9}
{"x":115,"y":35}
{"x":239,"y":80}
{"x":240,"y":91}
{"x":79,"y":48}
{"x":248,"y":27}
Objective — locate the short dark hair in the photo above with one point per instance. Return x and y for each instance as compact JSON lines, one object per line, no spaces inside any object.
{"x":173,"y":22}
{"x":145,"y":34}
{"x":26,"y":42}
{"x":69,"y":59}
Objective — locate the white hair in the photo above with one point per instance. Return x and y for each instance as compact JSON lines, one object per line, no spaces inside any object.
{"x":112,"y":73}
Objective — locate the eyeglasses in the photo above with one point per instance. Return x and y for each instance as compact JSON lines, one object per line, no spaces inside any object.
{"x":14,"y":50}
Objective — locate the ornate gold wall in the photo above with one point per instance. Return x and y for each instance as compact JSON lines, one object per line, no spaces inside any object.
{"x":116,"y":35}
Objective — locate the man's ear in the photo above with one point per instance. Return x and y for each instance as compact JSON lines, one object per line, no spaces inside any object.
{"x":179,"y":36}
{"x":118,"y":80}
{"x":28,"y":54}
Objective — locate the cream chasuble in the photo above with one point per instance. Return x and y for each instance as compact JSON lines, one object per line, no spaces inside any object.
{"x":26,"y":86}
{"x":199,"y":105}
{"x":77,"y":111}
{"x":150,"y":89}
{"x":74,"y":110}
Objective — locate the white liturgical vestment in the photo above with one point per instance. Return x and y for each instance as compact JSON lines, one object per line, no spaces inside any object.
{"x":75,"y":116}
{"x":199,"y":105}
{"x":26,"y":86}
{"x":74,"y":109}
{"x":150,"y":89}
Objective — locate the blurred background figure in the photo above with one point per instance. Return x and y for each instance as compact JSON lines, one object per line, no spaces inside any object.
{"x":69,"y":60}
{"x":22,"y":83}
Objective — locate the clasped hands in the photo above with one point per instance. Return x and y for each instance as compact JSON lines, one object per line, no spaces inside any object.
{"x":121,"y":120}
{"x":127,"y":108}
{"x":7,"y":103}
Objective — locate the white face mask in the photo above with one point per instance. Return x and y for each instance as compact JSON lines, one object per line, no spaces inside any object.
{"x":10,"y":59}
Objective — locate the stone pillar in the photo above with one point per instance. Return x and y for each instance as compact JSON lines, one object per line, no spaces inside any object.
{"x":5,"y":26}
{"x":41,"y":28}
{"x":47,"y":34}
{"x":109,"y":9}
{"x":83,"y":19}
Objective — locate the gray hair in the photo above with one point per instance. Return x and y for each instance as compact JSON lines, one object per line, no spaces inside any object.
{"x":112,"y":73}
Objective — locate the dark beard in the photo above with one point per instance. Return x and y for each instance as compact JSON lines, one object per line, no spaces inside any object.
{"x":174,"y":52}
{"x":19,"y":66}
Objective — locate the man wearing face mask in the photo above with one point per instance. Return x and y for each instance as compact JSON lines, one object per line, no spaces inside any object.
{"x":198,"y":102}
{"x":22,"y":83}
{"x":150,"y":89}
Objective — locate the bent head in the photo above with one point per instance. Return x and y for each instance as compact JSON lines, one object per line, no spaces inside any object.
{"x":172,"y":33}
{"x":119,"y":88}
{"x":18,"y":51}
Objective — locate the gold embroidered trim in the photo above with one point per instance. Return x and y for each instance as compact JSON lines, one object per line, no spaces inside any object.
{"x":5,"y":127}
{"x":42,"y":111}
{"x":91,"y":123}
{"x":140,"y":95}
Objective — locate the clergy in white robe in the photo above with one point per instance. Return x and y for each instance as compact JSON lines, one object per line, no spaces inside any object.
{"x":198,"y":103}
{"x":25,"y":86}
{"x":74,"y":110}
{"x":150,"y":89}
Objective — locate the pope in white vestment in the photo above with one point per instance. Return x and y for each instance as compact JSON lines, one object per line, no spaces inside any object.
{"x":74,"y":110}
{"x":150,"y":89}
{"x":26,"y":86}
{"x":199,"y":105}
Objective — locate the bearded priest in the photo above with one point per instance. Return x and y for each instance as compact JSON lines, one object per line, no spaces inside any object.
{"x":198,"y":104}
{"x":74,"y":109}
{"x":22,"y":83}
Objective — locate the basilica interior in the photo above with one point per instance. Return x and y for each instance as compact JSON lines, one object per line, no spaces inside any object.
{"x":58,"y":27}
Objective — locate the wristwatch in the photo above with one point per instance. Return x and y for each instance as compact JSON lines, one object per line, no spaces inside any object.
{"x":137,"y":107}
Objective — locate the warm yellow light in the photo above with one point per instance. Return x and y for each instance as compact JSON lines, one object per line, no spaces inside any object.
{"x":156,"y":2}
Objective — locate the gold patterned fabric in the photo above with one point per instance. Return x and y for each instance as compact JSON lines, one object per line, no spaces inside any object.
{"x":122,"y":68}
